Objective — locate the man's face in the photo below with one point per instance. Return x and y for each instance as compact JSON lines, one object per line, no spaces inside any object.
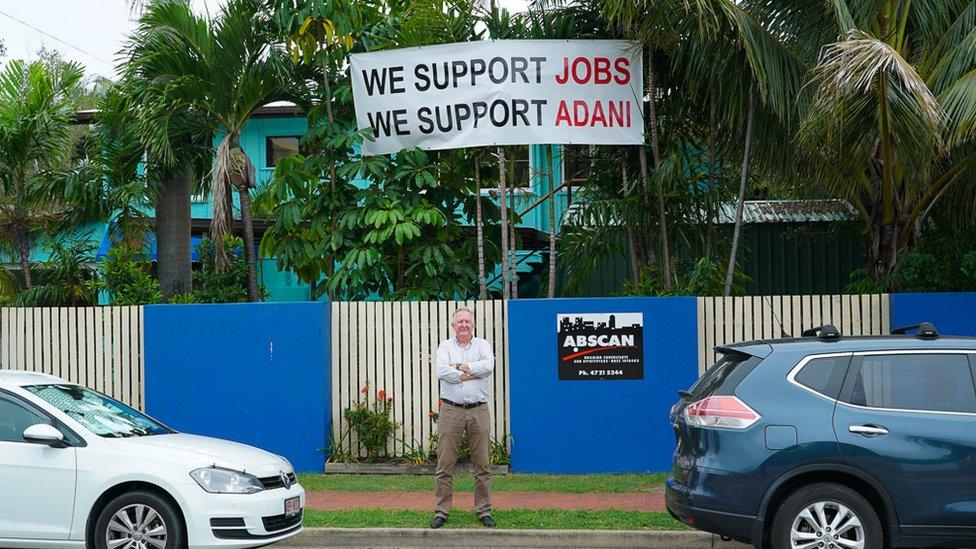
{"x":463,"y":325}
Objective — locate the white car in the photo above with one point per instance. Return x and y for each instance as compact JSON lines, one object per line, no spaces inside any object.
{"x":77,"y":466}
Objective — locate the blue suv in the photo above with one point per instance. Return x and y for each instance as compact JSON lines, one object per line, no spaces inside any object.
{"x":830,"y":442}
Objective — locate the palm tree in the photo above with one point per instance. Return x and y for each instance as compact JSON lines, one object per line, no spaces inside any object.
{"x":35,"y":104}
{"x":67,"y":278}
{"x":480,"y":229}
{"x":891,"y":124}
{"x":214,"y":74}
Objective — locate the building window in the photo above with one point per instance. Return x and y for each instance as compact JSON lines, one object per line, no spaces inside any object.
{"x":280,"y":146}
{"x":576,"y":162}
{"x":518,"y":167}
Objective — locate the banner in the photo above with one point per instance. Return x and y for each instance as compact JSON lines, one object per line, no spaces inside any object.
{"x":507,"y":92}
{"x":600,"y":346}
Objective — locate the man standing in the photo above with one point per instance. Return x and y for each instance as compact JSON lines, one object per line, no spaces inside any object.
{"x":464,"y":364}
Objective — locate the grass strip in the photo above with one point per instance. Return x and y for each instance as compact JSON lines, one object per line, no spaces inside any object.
{"x":575,"y":484}
{"x":529,"y":519}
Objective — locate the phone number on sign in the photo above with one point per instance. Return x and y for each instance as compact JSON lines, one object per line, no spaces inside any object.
{"x":601,"y":372}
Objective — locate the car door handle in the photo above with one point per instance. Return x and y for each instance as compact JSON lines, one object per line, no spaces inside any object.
{"x":868,"y":430}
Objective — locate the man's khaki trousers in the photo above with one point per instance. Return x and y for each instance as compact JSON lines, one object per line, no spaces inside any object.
{"x":451,"y":425}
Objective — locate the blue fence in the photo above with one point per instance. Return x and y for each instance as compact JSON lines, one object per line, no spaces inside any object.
{"x":260,"y":374}
{"x":592,"y":425}
{"x":952,"y":313}
{"x":251,"y":373}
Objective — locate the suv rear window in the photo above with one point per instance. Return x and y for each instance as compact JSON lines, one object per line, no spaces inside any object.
{"x":824,"y":375}
{"x":724,"y":376}
{"x":926,"y":382}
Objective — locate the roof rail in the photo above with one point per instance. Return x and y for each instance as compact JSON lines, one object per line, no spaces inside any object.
{"x":827,"y":332}
{"x":923,"y":330}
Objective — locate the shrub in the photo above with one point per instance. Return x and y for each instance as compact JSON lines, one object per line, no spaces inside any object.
{"x":126,"y":274}
{"x":372,"y":422}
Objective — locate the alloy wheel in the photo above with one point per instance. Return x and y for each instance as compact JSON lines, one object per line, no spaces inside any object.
{"x":136,"y":526}
{"x":827,"y":525}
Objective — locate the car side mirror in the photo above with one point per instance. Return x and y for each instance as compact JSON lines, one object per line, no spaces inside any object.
{"x":43,"y":433}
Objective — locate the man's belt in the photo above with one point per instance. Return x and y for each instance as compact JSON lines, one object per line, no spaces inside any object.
{"x":466,"y":406}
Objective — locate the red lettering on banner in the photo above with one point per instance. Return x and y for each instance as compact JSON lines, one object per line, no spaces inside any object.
{"x":585,"y":62}
{"x":601,"y":70}
{"x":598,"y":115}
{"x":564,"y":77}
{"x":622,"y":64}
{"x":562,"y":114}
{"x":609,"y":114}
{"x":578,"y":119}
{"x":616,"y":114}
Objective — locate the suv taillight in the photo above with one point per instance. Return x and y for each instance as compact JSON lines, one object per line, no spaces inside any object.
{"x":727,"y":412}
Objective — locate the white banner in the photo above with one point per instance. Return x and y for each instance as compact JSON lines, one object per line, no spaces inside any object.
{"x":508,"y":92}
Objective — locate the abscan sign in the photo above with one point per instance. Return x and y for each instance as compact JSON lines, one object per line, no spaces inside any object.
{"x":600,"y":346}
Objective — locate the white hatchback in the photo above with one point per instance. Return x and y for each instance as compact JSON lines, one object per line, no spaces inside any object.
{"x":76,"y":465}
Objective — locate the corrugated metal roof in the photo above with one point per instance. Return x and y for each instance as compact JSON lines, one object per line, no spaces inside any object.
{"x":788,"y":211}
{"x":767,"y":211}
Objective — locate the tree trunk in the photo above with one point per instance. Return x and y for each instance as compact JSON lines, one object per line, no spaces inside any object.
{"x":173,"y":266}
{"x":252,"y":281}
{"x":712,"y":175}
{"x":743,"y":178}
{"x":552,"y":224}
{"x":23,"y":244}
{"x":479,"y":224}
{"x":656,"y":151}
{"x":513,"y":261}
{"x":330,"y":258}
{"x":631,"y":240}
{"x":503,"y":203}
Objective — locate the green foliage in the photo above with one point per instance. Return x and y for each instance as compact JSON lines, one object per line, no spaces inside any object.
{"x":213,"y":285}
{"x":184,"y":298}
{"x":364,"y":226}
{"x":126,"y":274}
{"x":704,"y":278}
{"x":66,"y":279}
{"x":944,"y":261}
{"x":35,"y":103}
{"x":371,"y":421}
{"x":861,"y":283}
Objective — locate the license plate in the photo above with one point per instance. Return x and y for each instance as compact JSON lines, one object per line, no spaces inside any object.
{"x":293,"y":506}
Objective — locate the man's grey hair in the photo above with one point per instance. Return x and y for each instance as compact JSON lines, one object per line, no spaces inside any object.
{"x":461,"y":310}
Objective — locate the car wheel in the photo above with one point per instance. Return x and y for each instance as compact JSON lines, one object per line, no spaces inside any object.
{"x":139,"y":520}
{"x":826,"y":516}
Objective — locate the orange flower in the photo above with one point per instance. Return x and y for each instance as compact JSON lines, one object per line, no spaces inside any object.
{"x":389,"y":400}
{"x":381,"y":394}
{"x":432,"y":414}
{"x":365,"y":389}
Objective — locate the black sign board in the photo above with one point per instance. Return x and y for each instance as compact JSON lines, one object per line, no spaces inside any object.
{"x":600,"y":346}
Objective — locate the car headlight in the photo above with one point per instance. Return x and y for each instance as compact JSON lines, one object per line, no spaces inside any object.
{"x":225,"y":481}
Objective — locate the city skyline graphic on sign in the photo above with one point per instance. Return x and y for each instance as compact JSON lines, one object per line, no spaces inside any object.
{"x":604,"y":327}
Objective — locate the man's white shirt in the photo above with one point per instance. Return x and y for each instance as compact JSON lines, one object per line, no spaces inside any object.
{"x":478,"y":354}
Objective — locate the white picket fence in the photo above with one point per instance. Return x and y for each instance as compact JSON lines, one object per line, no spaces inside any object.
{"x":724,"y":320}
{"x":99,"y":347}
{"x":391,"y":346}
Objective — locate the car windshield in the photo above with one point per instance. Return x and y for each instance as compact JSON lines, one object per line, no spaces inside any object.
{"x":98,"y":413}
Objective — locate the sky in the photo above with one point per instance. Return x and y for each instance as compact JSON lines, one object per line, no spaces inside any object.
{"x":91,"y":32}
